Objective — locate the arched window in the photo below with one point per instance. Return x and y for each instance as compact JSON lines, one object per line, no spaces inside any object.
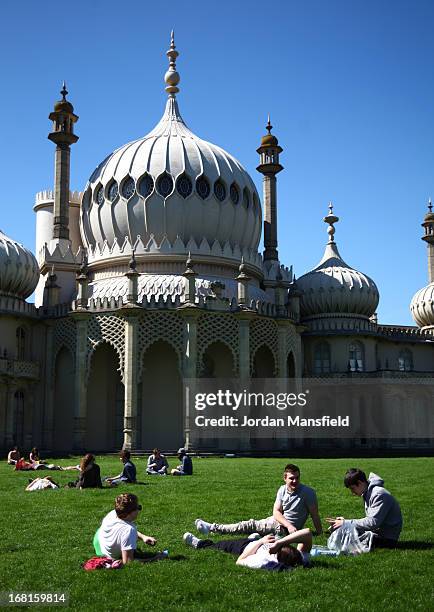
{"x":21,"y":343}
{"x":355,"y":357}
{"x":322,"y":358}
{"x":405,"y":361}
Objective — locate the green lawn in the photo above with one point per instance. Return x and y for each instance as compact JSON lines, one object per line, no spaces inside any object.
{"x":46,"y":535}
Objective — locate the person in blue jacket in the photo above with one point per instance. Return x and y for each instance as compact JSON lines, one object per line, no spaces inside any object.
{"x":128,"y":473}
{"x":186,"y":466}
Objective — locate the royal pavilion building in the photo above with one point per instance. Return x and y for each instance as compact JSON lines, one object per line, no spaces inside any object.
{"x":152,"y":275}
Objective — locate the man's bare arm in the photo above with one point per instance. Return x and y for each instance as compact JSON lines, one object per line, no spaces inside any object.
{"x":313,"y":511}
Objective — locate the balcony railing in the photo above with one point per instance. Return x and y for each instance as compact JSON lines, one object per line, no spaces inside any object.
{"x":18,"y":368}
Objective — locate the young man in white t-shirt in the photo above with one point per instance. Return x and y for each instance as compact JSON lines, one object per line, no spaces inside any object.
{"x":117,"y":536}
{"x":266,"y":553}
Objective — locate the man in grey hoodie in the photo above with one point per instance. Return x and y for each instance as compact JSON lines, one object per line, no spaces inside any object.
{"x":383,"y":514}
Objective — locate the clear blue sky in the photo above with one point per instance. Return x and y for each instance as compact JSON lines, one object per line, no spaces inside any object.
{"x":349,"y":85}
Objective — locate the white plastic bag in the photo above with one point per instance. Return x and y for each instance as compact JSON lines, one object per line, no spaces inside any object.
{"x":346,"y":540}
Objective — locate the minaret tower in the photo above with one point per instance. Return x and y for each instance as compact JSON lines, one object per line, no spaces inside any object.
{"x":63,"y":136}
{"x":269,"y":166}
{"x":428,"y":237}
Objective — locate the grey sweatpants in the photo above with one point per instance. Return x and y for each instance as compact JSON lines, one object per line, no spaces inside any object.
{"x":261,"y":526}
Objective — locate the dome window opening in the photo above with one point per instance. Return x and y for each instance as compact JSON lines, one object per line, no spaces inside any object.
{"x":165,"y":185}
{"x":146,"y":186}
{"x":100,"y":196}
{"x":220,"y":191}
{"x":184,"y":186}
{"x":202,"y":187}
{"x":255,"y":202}
{"x":235,"y":194}
{"x":246,"y":197}
{"x":128,"y":188}
{"x":113,"y":191}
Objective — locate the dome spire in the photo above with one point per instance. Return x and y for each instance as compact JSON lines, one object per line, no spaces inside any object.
{"x":331,"y":219}
{"x":172,"y":77}
{"x":64,"y":91}
{"x":269,"y":127}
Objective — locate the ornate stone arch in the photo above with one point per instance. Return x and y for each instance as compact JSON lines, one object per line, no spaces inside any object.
{"x":213,"y":328}
{"x":293,"y":345}
{"x":263,"y":332}
{"x":155,"y":326}
{"x":64,"y":336}
{"x":110,"y":329}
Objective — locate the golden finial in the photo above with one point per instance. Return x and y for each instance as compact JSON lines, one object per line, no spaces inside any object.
{"x":172,"y":77}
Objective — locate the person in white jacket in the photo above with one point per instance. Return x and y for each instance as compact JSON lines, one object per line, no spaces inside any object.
{"x":383,"y":513}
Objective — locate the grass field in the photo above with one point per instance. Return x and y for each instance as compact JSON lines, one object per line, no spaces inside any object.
{"x":46,"y":535}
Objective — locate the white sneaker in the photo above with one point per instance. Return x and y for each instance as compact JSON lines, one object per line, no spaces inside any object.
{"x":191,"y":540}
{"x":254,"y":536}
{"x":203,"y":526}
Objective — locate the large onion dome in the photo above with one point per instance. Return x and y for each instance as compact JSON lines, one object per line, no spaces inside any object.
{"x":171,"y":191}
{"x":19,"y":270}
{"x":335,"y":288}
{"x":422,"y":306}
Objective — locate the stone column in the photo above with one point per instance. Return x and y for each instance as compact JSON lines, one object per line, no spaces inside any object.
{"x":244,"y":361}
{"x":47,"y":407}
{"x":190,"y":371}
{"x":81,"y":376}
{"x":3,"y":412}
{"x":131,"y":379}
{"x":270,"y":217}
{"x":29,"y":416}
{"x":10,"y":407}
{"x":244,"y":347}
{"x":61,"y":191}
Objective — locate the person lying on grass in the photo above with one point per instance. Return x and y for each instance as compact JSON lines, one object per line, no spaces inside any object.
{"x":266,"y":553}
{"x":383,"y":513}
{"x":294,"y":503}
{"x":117,"y":536}
{"x":128,"y":473}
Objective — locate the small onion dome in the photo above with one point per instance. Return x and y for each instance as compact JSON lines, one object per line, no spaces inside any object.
{"x":429,"y":217}
{"x":269,"y":140}
{"x":19,"y":270}
{"x":333,"y":287}
{"x":64,"y":105}
{"x":422,"y":306}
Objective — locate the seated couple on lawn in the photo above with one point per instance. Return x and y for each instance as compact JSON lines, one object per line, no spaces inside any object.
{"x":158,"y":465}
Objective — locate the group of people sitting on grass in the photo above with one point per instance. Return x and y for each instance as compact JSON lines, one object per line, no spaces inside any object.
{"x":90,"y":473}
{"x":157,"y":465}
{"x":34,"y":462}
{"x":267,"y":543}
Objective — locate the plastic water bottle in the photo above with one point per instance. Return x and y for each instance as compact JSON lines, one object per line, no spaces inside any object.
{"x":323,"y":551}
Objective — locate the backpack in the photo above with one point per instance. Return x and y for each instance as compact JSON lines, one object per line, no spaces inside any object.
{"x":95,"y":563}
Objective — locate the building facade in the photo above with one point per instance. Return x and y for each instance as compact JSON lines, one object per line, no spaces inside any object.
{"x":152,"y":275}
